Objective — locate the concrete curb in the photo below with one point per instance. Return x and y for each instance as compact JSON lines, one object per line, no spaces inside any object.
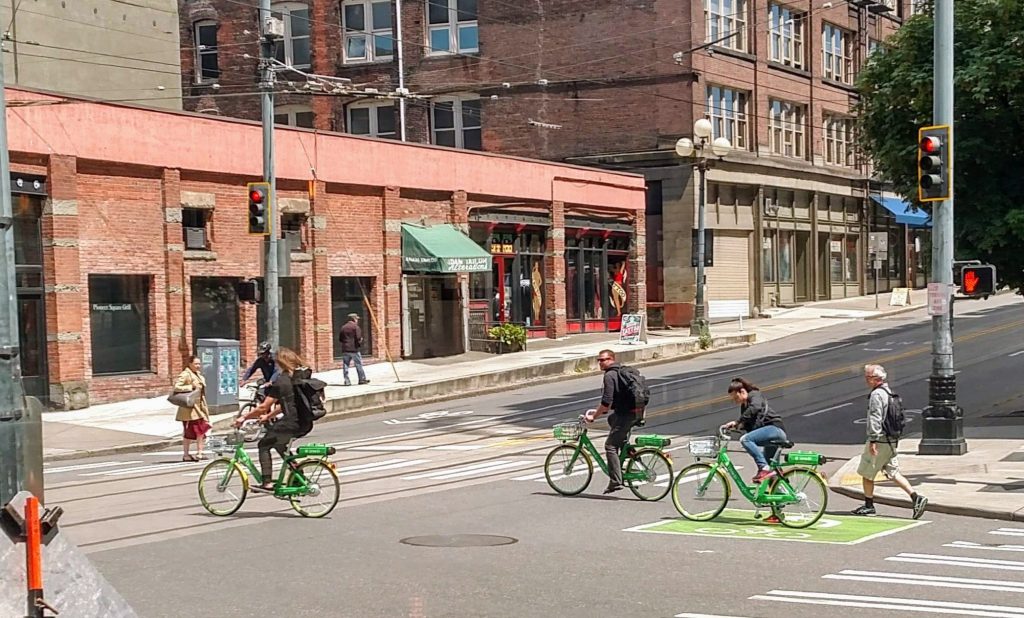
{"x":886,"y":314}
{"x":472,"y":385}
{"x":835,"y":483}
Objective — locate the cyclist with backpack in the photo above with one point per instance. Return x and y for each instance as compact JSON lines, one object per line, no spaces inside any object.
{"x":885,"y":426}
{"x":625,"y":393}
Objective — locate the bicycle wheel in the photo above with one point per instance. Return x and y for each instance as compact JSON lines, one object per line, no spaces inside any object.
{"x":812,"y":502}
{"x":322,"y":492}
{"x":252,"y":430}
{"x":563,"y":478}
{"x":222,"y":487}
{"x":698,"y":494}
{"x":657,"y":471}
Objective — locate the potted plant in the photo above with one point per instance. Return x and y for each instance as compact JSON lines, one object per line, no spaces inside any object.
{"x":508,"y":338}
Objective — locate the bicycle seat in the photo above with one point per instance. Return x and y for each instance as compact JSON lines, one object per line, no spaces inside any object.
{"x":781,"y":443}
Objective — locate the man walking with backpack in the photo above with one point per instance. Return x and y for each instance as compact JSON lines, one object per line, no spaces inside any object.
{"x":885,"y":425}
{"x":625,"y":393}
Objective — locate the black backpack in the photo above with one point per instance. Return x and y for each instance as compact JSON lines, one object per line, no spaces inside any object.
{"x":635,"y":384}
{"x":310,"y":399}
{"x":894,"y":421}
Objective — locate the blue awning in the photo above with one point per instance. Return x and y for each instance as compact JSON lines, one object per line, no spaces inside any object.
{"x":905,"y":215}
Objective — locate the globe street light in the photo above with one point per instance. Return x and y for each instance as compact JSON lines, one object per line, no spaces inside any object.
{"x":702,"y":149}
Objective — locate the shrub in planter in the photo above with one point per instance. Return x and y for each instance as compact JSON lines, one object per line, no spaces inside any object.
{"x":508,"y":337}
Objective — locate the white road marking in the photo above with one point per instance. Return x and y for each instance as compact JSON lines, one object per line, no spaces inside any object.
{"x":704,"y":615}
{"x":385,"y":448}
{"x":1017,"y":353}
{"x":460,"y":471}
{"x":893,"y":603}
{"x":536,"y":476}
{"x":432,"y":473}
{"x":458,"y":447}
{"x":482,"y":471}
{"x":976,"y":563}
{"x":104,"y":464}
{"x":928,"y":580}
{"x":878,"y":349}
{"x":392,"y":466}
{"x":375,"y":464}
{"x":842,"y":405}
{"x":970,"y":545}
{"x":145,"y":469}
{"x":1008,"y":531}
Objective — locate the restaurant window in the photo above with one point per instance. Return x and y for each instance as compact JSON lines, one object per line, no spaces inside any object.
{"x":119,"y":322}
{"x":836,"y":259}
{"x":347,"y":294}
{"x":214,"y":308}
{"x":768,"y":256}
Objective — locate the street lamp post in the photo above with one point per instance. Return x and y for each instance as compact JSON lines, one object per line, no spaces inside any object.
{"x":703,"y":148}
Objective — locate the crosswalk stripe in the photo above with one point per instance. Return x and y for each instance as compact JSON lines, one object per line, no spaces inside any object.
{"x":927,"y":580}
{"x":374,"y":464}
{"x":92,"y":466}
{"x":145,"y":469}
{"x":1008,"y":531}
{"x":458,"y":447}
{"x":384,"y":448}
{"x":704,"y":616}
{"x":977,"y":563}
{"x":536,"y":476}
{"x":457,"y":469}
{"x":971,"y":545}
{"x":911,"y":605}
{"x":398,"y":464}
{"x":482,"y":471}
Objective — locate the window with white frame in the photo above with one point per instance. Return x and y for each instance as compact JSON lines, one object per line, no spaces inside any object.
{"x":293,"y":50}
{"x":368,"y":34}
{"x":294,"y":116}
{"x":786,"y":128}
{"x":452,"y":26}
{"x":455,"y":122}
{"x":727,"y":110}
{"x":373,"y":119}
{"x":837,"y":53}
{"x":726,"y":23}
{"x":874,"y":45}
{"x":786,"y":36}
{"x":838,"y":133}
{"x":205,"y":35}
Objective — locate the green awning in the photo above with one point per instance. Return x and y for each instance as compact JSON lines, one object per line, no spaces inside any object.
{"x":441,"y":249}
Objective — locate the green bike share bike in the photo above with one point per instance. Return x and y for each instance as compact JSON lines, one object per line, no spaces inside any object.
{"x":307,"y":478}
{"x":569,"y":467}
{"x":797,"y":496}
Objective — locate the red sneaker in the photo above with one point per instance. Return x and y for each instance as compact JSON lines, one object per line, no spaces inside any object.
{"x":763,"y":474}
{"x":771,"y":519}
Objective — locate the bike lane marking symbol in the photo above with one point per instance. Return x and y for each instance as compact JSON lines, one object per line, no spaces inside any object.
{"x":740,"y":524}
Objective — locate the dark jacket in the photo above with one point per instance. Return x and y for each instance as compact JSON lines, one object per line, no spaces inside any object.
{"x":756,"y":413}
{"x":282,"y":390}
{"x":613,"y":394}
{"x":267,"y":366}
{"x":351,"y":338}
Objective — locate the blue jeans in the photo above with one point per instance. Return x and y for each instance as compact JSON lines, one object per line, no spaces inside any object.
{"x":752,"y":442}
{"x":356,"y":359}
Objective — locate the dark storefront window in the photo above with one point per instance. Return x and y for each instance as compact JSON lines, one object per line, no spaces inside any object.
{"x":513,"y":291}
{"x":214,"y":309}
{"x":347,"y":296}
{"x":119,"y":318}
{"x":597,"y":286}
{"x":289,"y":318}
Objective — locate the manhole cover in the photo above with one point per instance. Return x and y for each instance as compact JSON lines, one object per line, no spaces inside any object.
{"x":459,"y":540}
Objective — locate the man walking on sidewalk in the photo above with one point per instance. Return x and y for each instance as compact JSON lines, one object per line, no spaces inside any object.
{"x":351,"y":341}
{"x":880,"y":451}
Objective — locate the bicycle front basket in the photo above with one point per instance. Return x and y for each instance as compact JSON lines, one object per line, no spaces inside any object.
{"x":567,"y":432}
{"x":704,"y":447}
{"x":219,"y":444}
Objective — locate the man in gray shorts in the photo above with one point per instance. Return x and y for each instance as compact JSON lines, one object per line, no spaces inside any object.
{"x":880,"y":450}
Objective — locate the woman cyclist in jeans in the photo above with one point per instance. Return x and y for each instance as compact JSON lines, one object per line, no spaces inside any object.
{"x":761,"y":424}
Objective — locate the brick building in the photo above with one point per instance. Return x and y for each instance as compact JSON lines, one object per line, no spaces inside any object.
{"x":614,"y":84}
{"x":130,"y":236}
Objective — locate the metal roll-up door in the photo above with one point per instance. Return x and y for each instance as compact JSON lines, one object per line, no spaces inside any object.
{"x":728,"y":281}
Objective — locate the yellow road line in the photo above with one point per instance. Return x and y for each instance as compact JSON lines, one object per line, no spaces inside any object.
{"x":831,"y":372}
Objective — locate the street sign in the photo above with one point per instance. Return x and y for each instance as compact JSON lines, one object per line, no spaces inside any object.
{"x":878,"y":264}
{"x":878,"y":243}
{"x":739,"y":524}
{"x":938,"y":298}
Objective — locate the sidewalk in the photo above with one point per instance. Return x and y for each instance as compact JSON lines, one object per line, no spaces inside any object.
{"x":139,"y":424}
{"x":987,"y":481}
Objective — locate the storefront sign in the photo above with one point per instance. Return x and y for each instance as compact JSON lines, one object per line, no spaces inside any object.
{"x":835,"y":246}
{"x":111,"y":307}
{"x":633,"y":328}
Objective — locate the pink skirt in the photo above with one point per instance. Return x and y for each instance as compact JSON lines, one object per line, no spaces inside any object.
{"x":195,"y":429}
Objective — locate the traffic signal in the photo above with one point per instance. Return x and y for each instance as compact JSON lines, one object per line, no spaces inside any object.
{"x":249,"y":291}
{"x":260,"y":215}
{"x":978,"y":280}
{"x":934,"y":182}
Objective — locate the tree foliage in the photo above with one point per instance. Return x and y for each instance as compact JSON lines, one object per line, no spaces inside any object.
{"x":988,"y":167}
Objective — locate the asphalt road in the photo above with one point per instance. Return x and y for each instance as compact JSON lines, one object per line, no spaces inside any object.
{"x":473,"y":467}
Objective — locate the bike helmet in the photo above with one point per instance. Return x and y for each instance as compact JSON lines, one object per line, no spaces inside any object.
{"x":264,"y":348}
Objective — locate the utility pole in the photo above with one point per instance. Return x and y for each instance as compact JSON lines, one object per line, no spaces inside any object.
{"x":942,"y":425}
{"x":273,"y":291}
{"x":15,"y":425}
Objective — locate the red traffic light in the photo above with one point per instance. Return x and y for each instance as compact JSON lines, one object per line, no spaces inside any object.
{"x":971,"y":281}
{"x":931,"y":144}
{"x":256,"y":195}
{"x":978,"y":280}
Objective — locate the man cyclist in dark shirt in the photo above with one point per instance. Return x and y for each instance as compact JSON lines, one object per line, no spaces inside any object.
{"x":264,"y":363}
{"x":617,"y":399}
{"x":286,"y":426}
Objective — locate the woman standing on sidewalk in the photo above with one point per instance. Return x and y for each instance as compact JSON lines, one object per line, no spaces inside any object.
{"x":195,"y":420}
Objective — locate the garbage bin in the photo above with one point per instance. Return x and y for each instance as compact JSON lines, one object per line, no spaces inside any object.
{"x":219,"y":358}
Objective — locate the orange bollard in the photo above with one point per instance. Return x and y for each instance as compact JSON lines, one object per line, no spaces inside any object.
{"x":33,"y":557}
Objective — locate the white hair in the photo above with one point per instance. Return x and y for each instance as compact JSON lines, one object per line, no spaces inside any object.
{"x":875,"y":371}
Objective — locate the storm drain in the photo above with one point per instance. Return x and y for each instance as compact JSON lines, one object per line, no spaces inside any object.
{"x":459,"y":540}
